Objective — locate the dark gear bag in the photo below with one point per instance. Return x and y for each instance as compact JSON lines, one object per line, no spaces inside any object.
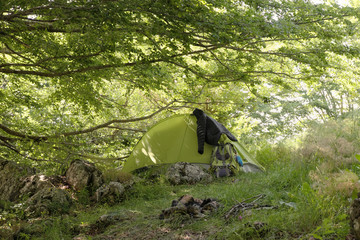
{"x":223,"y":160}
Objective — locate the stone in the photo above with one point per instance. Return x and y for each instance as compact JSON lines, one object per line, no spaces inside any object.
{"x":131,"y":182}
{"x":110,"y":193}
{"x":32,"y":184}
{"x":11,"y":176}
{"x":354,"y":213}
{"x":6,"y":233}
{"x":172,"y":212}
{"x":194,"y":210}
{"x":110,"y":219}
{"x":47,"y":201}
{"x":190,"y":207}
{"x":186,"y":173}
{"x":83,"y":175}
{"x":35,"y":194}
{"x":211,"y":206}
{"x":44,"y":197}
{"x":186,"y":199}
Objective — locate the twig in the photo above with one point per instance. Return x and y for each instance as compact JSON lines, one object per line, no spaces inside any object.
{"x":244,"y":205}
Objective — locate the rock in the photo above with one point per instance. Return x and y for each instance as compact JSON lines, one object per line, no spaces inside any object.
{"x":83,"y":175}
{"x":186,"y":199}
{"x":110,"y":219}
{"x":211,"y":206}
{"x":6,"y":233}
{"x":38,"y":193}
{"x":110,"y":193}
{"x":32,"y":184}
{"x":131,"y":182}
{"x":186,"y":173}
{"x":355,"y":218}
{"x":172,"y":212}
{"x":48,"y":201}
{"x":189,"y":206}
{"x":44,"y":197}
{"x":11,"y":176}
{"x":194,"y":210}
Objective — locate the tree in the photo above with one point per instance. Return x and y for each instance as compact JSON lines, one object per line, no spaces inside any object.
{"x":60,"y":60}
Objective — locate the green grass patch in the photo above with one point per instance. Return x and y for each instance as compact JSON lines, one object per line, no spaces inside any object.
{"x":299,"y":206}
{"x":300,"y":211}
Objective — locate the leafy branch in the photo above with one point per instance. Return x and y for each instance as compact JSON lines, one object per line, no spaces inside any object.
{"x":88,"y":130}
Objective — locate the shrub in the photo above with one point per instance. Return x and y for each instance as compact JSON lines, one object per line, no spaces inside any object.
{"x":330,"y":149}
{"x":333,"y":142}
{"x":344,"y":182}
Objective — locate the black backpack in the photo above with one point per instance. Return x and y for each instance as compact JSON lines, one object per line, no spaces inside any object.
{"x":223,"y":160}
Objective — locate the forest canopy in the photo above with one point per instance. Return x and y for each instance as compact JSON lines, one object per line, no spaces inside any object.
{"x":86,"y":78}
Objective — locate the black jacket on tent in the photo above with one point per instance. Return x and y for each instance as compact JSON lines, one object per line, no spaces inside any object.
{"x":209,"y":130}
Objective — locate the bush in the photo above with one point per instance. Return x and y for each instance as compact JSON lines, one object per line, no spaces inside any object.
{"x":330,"y":148}
{"x":333,"y":142}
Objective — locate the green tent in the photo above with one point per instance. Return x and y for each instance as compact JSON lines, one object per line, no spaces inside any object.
{"x":174,"y":139}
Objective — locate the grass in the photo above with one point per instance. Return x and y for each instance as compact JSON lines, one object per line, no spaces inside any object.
{"x":310,"y":188}
{"x":301,"y":212}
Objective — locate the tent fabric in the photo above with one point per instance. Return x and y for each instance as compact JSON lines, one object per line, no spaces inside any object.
{"x":172,"y":140}
{"x":209,"y":130}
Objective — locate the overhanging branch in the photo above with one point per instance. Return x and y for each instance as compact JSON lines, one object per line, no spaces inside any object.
{"x":79,"y":132}
{"x":14,"y":149}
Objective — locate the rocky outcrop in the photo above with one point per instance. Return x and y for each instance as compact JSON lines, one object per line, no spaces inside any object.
{"x":44,"y":196}
{"x":37,"y":193}
{"x":40,"y":195}
{"x":84,"y":175}
{"x":355,"y":217}
{"x":186,"y":173}
{"x":6,"y":233}
{"x":11,"y":179}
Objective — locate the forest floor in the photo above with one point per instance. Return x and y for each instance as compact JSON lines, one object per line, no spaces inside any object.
{"x":294,"y":211}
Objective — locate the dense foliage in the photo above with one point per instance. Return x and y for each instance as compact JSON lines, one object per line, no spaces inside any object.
{"x":79,"y":77}
{"x":85,"y":79}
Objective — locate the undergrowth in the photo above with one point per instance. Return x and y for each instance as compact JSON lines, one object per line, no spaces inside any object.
{"x":300,"y":211}
{"x":308,"y":189}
